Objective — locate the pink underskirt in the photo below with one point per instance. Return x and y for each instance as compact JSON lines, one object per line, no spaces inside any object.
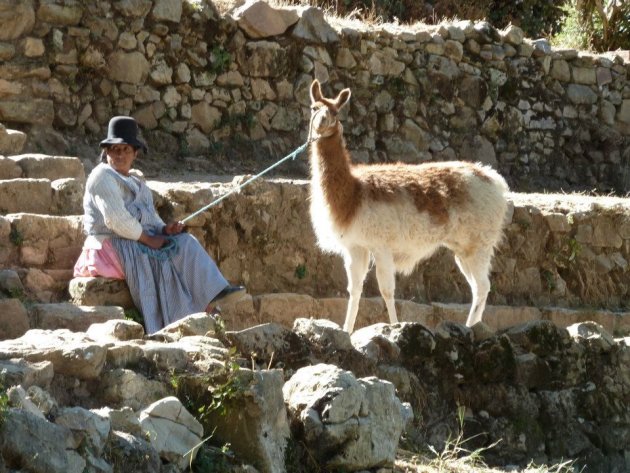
{"x":101,"y":262}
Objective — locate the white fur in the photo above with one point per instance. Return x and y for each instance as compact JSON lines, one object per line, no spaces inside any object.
{"x":398,"y":236}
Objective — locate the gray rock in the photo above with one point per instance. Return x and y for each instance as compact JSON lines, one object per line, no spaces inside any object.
{"x":260,"y":20}
{"x":167,"y":10}
{"x":313,"y":27}
{"x":255,"y":421}
{"x":347,"y":423}
{"x":172,"y":431}
{"x":89,"y":426}
{"x":72,"y":317}
{"x":135,"y":453}
{"x":14,"y":321}
{"x":19,"y":371}
{"x":99,"y":291}
{"x":38,"y":445}
{"x":71,"y":354}
{"x":270,"y":340}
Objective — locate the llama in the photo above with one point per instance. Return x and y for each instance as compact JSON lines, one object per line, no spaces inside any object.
{"x":399,"y":213}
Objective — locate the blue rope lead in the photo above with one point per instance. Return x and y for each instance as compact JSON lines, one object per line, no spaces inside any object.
{"x":293,"y":155}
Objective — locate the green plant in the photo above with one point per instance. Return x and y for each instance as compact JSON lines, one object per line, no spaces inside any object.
{"x":134,"y":315}
{"x":17,"y":293}
{"x":16,"y":237}
{"x":226,"y":392}
{"x":220,"y":59}
{"x":568,"y":253}
{"x":212,"y":459}
{"x":549,"y":279}
{"x":300,"y":271}
{"x":4,"y":404}
{"x":454,"y":451}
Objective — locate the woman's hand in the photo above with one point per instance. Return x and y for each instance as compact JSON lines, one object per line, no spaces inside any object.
{"x":152,"y":241}
{"x":173,"y":228}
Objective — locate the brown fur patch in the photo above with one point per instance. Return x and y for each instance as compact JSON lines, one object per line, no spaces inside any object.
{"x":433,"y":188}
{"x":342,"y":190}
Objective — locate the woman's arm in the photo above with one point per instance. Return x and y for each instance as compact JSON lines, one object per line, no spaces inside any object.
{"x":108,"y":197}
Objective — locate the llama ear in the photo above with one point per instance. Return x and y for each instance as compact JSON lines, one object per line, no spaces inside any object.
{"x":342,"y":98}
{"x":316,"y":91}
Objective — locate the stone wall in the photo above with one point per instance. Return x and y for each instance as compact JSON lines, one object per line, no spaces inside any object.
{"x":236,"y":88}
{"x":558,"y":250}
{"x":569,"y":251}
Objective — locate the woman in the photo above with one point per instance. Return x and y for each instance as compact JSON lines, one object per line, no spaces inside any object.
{"x":168,"y":272}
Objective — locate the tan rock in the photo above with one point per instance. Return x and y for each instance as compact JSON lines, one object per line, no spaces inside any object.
{"x":72,"y":317}
{"x":115,"y":329}
{"x":122,"y":387}
{"x":260,"y":20}
{"x":206,"y":116}
{"x":43,"y":166}
{"x":167,"y":10}
{"x":71,"y":354}
{"x":100,"y":291}
{"x":16,"y":19}
{"x":27,"y":374}
{"x":59,"y":14}
{"x":132,"y":68}
{"x":14,"y":321}
{"x":9,"y":169}
{"x":32,"y":111}
{"x":25,"y":195}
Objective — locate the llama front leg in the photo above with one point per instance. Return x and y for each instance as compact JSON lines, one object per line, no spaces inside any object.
{"x":386,"y":277}
{"x":356,"y":261}
{"x":476,"y":269}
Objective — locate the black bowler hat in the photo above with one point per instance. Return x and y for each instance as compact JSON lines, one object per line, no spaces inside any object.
{"x":123,"y":130}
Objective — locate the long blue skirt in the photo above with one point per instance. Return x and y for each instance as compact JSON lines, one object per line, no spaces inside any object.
{"x":166,"y":290}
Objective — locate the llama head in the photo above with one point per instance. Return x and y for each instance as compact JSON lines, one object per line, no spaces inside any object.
{"x":324,"y":111}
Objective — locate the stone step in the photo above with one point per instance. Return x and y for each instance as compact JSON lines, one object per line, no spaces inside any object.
{"x":41,"y":166}
{"x":39,"y":241}
{"x":42,"y":196}
{"x":16,"y":318}
{"x":285,"y":308}
{"x":11,"y":141}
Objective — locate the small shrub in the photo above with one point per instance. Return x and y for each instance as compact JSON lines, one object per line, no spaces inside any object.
{"x":220,"y":59}
{"x":211,"y":459}
{"x":134,"y":315}
{"x":4,"y":404}
{"x":300,"y":271}
{"x":16,"y":237}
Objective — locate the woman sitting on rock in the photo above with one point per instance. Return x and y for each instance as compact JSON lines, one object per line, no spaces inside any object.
{"x":168,"y":272}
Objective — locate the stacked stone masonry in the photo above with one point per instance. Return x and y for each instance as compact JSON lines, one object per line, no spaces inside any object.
{"x":205,"y":84}
{"x":569,"y":251}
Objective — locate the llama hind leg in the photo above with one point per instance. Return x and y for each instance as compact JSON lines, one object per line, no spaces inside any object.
{"x":357,"y":262}
{"x":386,"y":277}
{"x":476,"y":270}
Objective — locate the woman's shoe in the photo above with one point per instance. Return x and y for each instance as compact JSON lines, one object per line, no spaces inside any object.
{"x":229,"y":295}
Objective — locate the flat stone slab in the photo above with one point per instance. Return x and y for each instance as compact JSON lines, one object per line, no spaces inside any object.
{"x":43,"y":166}
{"x":93,"y":291}
{"x":73,"y":317}
{"x":25,"y":195}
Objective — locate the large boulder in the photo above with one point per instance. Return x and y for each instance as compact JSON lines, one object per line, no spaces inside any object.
{"x":72,"y":354}
{"x":345,"y":422}
{"x":172,"y":430}
{"x":33,"y":444}
{"x":255,"y":420}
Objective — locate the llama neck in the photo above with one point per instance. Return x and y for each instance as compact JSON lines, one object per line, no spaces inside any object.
{"x":331,"y":170}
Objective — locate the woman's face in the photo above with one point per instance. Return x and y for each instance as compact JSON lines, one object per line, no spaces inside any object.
{"x":121,"y":157}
